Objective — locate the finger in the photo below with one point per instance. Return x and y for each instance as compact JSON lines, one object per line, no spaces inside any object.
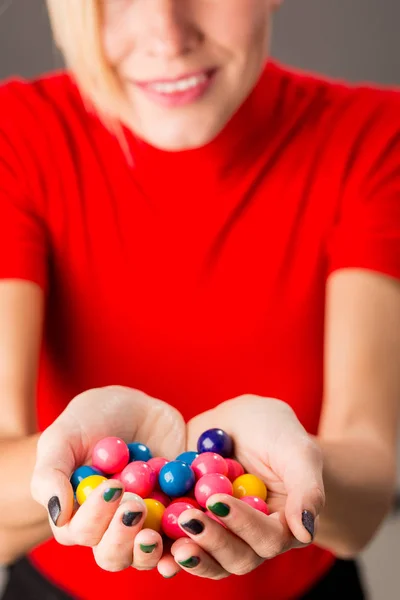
{"x":55,"y":463}
{"x":92,"y":519}
{"x":167,"y":566}
{"x":148,"y":549}
{"x":268,"y":536}
{"x":233,"y":554}
{"x":193,"y":559}
{"x":303,"y":481}
{"x":114,"y":551}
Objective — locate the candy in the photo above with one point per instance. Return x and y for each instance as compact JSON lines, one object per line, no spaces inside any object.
{"x":256,"y":503}
{"x":155,"y":511}
{"x":209,"y":462}
{"x":110,"y":455}
{"x":86,"y":487}
{"x":215,"y":440}
{"x":187,"y":500}
{"x":138,"y":477}
{"x":176,"y":478}
{"x":83,"y":472}
{"x":157,"y":463}
{"x":211,"y":484}
{"x":249,"y":485}
{"x":169,"y":522}
{"x":187,"y":457}
{"x":139,"y":451}
{"x":235,"y":469}
{"x":160,"y":497}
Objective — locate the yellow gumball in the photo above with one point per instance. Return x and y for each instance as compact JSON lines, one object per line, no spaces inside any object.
{"x":86,"y":487}
{"x":155,"y":511}
{"x":249,"y":485}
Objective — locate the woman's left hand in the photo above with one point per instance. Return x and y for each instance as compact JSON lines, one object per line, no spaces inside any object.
{"x":271,"y":443}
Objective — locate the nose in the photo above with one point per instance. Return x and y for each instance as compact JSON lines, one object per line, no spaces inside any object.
{"x":171,"y":33}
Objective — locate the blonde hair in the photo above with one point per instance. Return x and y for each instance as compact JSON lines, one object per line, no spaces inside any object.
{"x":76,"y":27}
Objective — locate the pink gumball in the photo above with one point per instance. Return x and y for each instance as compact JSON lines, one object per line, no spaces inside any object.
{"x":117,"y":476}
{"x":169,"y":522}
{"x":138,"y":477}
{"x":157,"y":463}
{"x":235,"y":469}
{"x":110,"y":455}
{"x":215,"y":518}
{"x":209,"y":462}
{"x":210,"y":484}
{"x":256,"y":503}
{"x":160,"y":497}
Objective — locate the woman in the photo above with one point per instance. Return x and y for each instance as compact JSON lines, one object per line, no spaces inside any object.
{"x":220,"y":237}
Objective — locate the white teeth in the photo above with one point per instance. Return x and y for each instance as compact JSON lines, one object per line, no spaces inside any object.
{"x":179,"y":86}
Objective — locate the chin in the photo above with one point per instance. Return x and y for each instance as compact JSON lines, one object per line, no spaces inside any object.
{"x":184,"y":136}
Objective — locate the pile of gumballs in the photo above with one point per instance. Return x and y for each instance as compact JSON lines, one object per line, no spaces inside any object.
{"x":168,"y":488}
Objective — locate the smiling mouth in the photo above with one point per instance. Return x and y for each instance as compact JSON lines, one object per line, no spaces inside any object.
{"x":178,"y":85}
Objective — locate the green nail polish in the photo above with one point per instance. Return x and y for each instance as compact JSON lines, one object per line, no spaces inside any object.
{"x":190,"y":563}
{"x":147,"y":548}
{"x":112,"y":494}
{"x":169,"y":576}
{"x":220,"y":509}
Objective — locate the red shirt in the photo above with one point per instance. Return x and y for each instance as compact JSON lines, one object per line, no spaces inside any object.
{"x":195,"y":276}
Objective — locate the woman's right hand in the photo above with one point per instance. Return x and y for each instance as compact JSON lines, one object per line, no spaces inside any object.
{"x":109,"y":523}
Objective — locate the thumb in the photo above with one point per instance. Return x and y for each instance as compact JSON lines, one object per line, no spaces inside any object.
{"x":50,"y":483}
{"x":302,"y":477}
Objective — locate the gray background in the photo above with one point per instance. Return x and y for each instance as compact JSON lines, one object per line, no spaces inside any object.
{"x":357,"y":40}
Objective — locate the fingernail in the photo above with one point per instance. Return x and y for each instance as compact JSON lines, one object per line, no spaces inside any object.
{"x":147,"y":548}
{"x":308,"y":521}
{"x":170,"y":576}
{"x":112,"y":494}
{"x":190,"y":563}
{"x":130,"y":518}
{"x":54,"y":508}
{"x":220,"y":509}
{"x":194,"y":526}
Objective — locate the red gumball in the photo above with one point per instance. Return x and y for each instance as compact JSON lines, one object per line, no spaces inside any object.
{"x":160,"y":497}
{"x":169,"y":522}
{"x":188,"y":500}
{"x":110,"y":455}
{"x":157,"y":463}
{"x":235,"y":469}
{"x":256,"y":503}
{"x":209,"y":462}
{"x":139,"y":478}
{"x":211,"y":484}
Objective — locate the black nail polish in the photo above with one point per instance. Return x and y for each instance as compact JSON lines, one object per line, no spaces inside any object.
{"x":190,"y":563}
{"x":194,"y":526}
{"x":131,"y":518}
{"x":308,"y":521}
{"x":54,"y":508}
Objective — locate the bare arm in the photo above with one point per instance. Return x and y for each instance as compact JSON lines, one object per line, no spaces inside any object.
{"x":361,"y":408}
{"x":23,"y":523}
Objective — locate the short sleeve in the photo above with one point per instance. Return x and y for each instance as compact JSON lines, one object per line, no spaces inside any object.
{"x":23,"y":239}
{"x":366,"y":234}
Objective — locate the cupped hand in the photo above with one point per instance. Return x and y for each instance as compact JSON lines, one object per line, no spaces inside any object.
{"x":271,"y":443}
{"x":109,"y":521}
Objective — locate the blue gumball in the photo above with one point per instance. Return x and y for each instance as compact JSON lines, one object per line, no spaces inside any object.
{"x":176,"y":478}
{"x":139,"y":451}
{"x":187,"y":457}
{"x":82,"y":473}
{"x":215,"y":440}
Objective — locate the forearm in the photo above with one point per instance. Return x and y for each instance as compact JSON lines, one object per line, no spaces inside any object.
{"x":359,"y":479}
{"x":16,"y":542}
{"x":17,"y":507}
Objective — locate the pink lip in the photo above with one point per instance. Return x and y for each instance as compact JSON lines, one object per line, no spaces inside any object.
{"x":178,"y":98}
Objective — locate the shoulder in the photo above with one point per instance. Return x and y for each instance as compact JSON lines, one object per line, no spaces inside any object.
{"x":346,"y":111}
